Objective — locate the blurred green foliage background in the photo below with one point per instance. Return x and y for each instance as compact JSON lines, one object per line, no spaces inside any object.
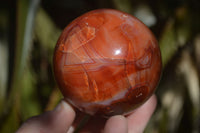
{"x":29,"y":30}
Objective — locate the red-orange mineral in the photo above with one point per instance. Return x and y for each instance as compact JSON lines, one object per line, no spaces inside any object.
{"x":107,"y":62}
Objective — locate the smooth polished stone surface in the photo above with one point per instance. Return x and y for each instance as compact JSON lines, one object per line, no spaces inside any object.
{"x":107,"y":62}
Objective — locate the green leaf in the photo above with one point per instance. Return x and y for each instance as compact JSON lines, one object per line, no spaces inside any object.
{"x":168,"y":42}
{"x":123,"y":5}
{"x":46,"y":31}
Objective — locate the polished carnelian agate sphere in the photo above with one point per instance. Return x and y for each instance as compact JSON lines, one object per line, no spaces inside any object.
{"x":107,"y":62}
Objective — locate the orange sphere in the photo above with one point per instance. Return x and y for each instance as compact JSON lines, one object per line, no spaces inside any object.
{"x":107,"y":62}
